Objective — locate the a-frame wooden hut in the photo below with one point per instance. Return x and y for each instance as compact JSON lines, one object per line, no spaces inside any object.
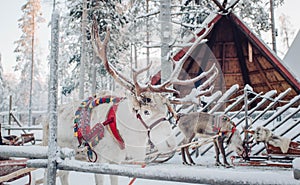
{"x":243,"y":57}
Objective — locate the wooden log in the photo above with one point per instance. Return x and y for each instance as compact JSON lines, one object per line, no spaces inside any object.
{"x":16,"y":174}
{"x":224,"y":98}
{"x":32,"y":152}
{"x":296,"y":168}
{"x":170,"y":172}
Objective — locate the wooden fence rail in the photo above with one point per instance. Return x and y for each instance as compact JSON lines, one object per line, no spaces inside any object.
{"x":166,"y":172}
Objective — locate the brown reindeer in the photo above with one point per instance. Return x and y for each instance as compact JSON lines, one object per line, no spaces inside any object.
{"x":203,"y":125}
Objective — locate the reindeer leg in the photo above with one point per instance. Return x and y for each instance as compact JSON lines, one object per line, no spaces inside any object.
{"x":189,"y":156}
{"x":218,"y":163}
{"x":183,"y":156}
{"x":188,"y":152}
{"x":221,"y":146}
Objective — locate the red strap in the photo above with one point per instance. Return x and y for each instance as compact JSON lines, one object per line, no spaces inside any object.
{"x":113,"y":126}
{"x":233,"y":130}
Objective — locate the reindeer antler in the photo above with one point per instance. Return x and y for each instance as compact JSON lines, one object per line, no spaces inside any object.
{"x":100,"y":49}
{"x":135,"y":87}
{"x":173,"y":79}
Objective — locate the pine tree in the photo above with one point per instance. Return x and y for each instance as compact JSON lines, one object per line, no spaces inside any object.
{"x":255,"y":13}
{"x":28,"y":62}
{"x":105,"y":12}
{"x":2,"y":97}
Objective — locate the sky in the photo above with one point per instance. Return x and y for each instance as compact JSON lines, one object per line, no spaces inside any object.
{"x":10,"y":12}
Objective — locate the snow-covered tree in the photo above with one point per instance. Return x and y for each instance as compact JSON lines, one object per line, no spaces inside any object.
{"x":135,"y":23}
{"x":1,"y":86}
{"x":105,"y":13}
{"x":286,"y":30}
{"x":255,"y":13}
{"x":28,"y":57}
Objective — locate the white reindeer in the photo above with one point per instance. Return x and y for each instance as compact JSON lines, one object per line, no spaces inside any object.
{"x":140,"y":116}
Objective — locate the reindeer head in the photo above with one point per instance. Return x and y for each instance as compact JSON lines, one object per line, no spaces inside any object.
{"x":154,"y":99}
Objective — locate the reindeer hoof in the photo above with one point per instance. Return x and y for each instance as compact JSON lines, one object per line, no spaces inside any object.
{"x":191,"y":164}
{"x":218,"y":164}
{"x":185,"y":163}
{"x":227,"y":165}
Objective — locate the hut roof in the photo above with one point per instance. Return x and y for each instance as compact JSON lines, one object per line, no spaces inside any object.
{"x":242,"y":56}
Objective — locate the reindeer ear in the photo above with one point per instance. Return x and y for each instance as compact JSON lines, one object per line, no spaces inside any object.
{"x":268,"y":133}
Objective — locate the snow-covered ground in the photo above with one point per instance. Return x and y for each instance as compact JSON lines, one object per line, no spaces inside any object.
{"x":204,"y":169}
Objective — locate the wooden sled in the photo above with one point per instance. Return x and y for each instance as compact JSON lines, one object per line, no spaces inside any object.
{"x":11,"y":170}
{"x":262,"y":162}
{"x":273,"y":158}
{"x":293,"y":151}
{"x":17,"y":141}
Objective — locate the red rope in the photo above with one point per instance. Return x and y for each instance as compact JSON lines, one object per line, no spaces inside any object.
{"x":132,"y":180}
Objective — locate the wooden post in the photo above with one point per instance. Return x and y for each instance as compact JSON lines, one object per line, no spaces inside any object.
{"x":53,"y":86}
{"x":273,"y":25}
{"x":9,"y":112}
{"x":296,"y":168}
{"x":166,"y":31}
{"x":247,"y":87}
{"x":1,"y":142}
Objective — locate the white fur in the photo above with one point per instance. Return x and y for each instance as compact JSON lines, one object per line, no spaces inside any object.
{"x":262,"y":134}
{"x":130,"y":128}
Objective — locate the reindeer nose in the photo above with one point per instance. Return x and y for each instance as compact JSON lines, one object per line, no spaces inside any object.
{"x":146,"y":112}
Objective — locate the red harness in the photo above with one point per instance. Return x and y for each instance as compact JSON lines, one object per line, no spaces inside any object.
{"x":92,"y":136}
{"x":149,"y":128}
{"x":111,"y":117}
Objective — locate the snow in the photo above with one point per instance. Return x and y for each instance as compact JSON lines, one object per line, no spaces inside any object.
{"x":296,"y":163}
{"x":296,"y":167}
{"x":204,"y":170}
{"x":291,"y":58}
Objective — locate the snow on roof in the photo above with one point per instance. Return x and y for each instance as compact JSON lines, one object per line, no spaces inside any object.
{"x":292,"y":57}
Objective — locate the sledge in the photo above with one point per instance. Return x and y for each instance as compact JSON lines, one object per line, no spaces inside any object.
{"x":293,"y":150}
{"x":280,"y":151}
{"x":157,"y":157}
{"x":18,"y":140}
{"x":14,"y":169}
{"x":263,"y":161}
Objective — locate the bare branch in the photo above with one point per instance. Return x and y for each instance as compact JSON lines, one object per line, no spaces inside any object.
{"x":219,"y":5}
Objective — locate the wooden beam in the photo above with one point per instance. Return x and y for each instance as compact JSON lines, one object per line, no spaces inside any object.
{"x":240,"y":54}
{"x":271,"y":83}
{"x":16,"y":174}
{"x":167,"y":172}
{"x":233,"y":5}
{"x":36,"y":152}
{"x":270,"y":56}
{"x":219,"y":5}
{"x":262,"y":73}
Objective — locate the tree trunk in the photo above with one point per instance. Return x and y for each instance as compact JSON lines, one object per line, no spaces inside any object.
{"x":166,"y":30}
{"x":83,"y":50}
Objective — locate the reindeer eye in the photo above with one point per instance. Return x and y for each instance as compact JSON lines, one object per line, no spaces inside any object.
{"x":225,"y":118}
